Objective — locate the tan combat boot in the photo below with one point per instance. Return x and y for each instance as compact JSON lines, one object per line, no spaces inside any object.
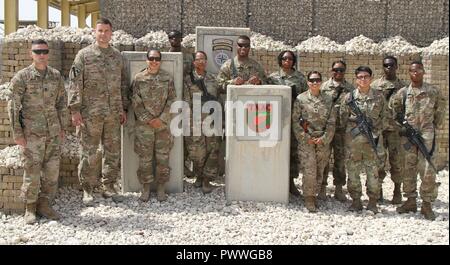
{"x":427,"y":211}
{"x":110,"y":192}
{"x":88,"y":196}
{"x":206,"y":185}
{"x":145,"y":194}
{"x":198,"y":182}
{"x":356,"y":205}
{"x":339,"y":194}
{"x":397,"y":198}
{"x":310,"y":203}
{"x":161,"y":192}
{"x":372,"y":206}
{"x":322,"y":193}
{"x":292,"y":188}
{"x":409,"y":206}
{"x":30,"y":213}
{"x":44,"y":209}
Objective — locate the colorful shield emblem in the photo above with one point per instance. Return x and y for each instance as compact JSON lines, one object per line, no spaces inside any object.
{"x":258,"y":116}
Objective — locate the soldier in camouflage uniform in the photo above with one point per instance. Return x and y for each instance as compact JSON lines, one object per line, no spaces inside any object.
{"x":288,"y":75}
{"x":337,"y":87}
{"x":360,"y":154}
{"x":423,"y":107}
{"x":389,"y":84}
{"x":153,"y":93}
{"x":313,"y":122}
{"x":202,"y":150}
{"x":36,"y":112}
{"x":98,"y":101}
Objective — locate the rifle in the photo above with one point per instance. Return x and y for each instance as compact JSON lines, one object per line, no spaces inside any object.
{"x":340,"y":89}
{"x":201,"y":84}
{"x":414,"y":137}
{"x":304,"y":124}
{"x":363,"y":125}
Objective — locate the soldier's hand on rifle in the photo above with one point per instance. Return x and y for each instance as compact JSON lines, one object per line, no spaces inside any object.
{"x":318,"y":141}
{"x":155,"y":123}
{"x":76,"y":119}
{"x":21,"y":141}
{"x":123,"y":117}
{"x":238,"y":81}
{"x":254,"y":80}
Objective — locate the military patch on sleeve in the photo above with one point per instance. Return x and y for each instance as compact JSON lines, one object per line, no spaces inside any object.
{"x":74,"y":73}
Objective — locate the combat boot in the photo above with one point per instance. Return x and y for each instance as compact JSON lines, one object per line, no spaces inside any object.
{"x":293,"y":189}
{"x":372,"y":206}
{"x":381,"y":199}
{"x":206,"y":185}
{"x":322,"y":193}
{"x":161,"y":192}
{"x":44,"y":209}
{"x":30,"y":213}
{"x":397,"y":198}
{"x":145,"y":194}
{"x":110,"y":192}
{"x":427,"y":211}
{"x":356,"y":205}
{"x":409,"y":206}
{"x":339,"y":194}
{"x":198,"y":182}
{"x":88,"y":197}
{"x":310,"y":203}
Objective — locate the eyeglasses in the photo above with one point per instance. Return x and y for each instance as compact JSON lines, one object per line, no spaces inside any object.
{"x":43,"y":51}
{"x":388,"y":65}
{"x":315,"y":80}
{"x":363,"y":77}
{"x":246,"y":45}
{"x":339,"y":70}
{"x":156,"y":59}
{"x":287,"y":58}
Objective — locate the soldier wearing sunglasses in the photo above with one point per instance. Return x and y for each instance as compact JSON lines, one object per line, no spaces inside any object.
{"x":36,"y":111}
{"x":337,"y":87}
{"x":389,"y":84}
{"x":288,"y":75}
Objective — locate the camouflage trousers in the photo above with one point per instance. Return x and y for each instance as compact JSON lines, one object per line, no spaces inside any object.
{"x":337,"y":145}
{"x":204,"y":153}
{"x":41,"y":168}
{"x":361,"y":159}
{"x":415,"y":164}
{"x":294,"y":168}
{"x":152,"y":145}
{"x":96,"y":130}
{"x":314,"y":159}
{"x":391,"y":144}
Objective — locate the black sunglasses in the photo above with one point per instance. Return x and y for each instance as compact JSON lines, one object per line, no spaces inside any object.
{"x":388,"y":65}
{"x":315,"y":80}
{"x":244,"y":45}
{"x":339,"y":70}
{"x":156,"y":59}
{"x":43,"y":51}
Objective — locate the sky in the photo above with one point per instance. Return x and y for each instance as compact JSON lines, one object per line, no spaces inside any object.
{"x":28,"y":11}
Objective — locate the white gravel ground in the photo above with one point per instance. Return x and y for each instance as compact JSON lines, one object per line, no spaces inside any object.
{"x":193,"y":218}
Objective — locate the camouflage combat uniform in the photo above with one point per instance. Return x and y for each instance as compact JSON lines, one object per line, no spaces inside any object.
{"x":36,"y":111}
{"x":337,"y":144}
{"x":152,"y":97}
{"x":99,"y":91}
{"x":360,"y":157}
{"x":297,"y":81}
{"x":391,"y":138}
{"x":424,"y":111}
{"x":202,"y":150}
{"x":320,"y":113}
{"x":244,"y":70}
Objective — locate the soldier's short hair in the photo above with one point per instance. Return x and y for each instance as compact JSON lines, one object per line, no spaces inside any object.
{"x":243,"y":37}
{"x":339,"y":61}
{"x":280,"y":58}
{"x":38,"y":41}
{"x":202,"y":52}
{"x":104,"y":21}
{"x":391,"y":58}
{"x":416,"y":62}
{"x":174,"y":34}
{"x":363,"y":68}
{"x":314,"y":72}
{"x":153,"y":49}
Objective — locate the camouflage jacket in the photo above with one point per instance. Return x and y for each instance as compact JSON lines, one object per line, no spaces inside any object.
{"x":388,"y":88}
{"x":152,"y":96}
{"x":98,"y":83}
{"x":37,"y":104}
{"x":243,"y":70}
{"x":191,"y":88}
{"x":329,"y":88}
{"x":372,"y":105}
{"x":319,"y":112}
{"x":296,"y":78}
{"x":424,"y":110}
